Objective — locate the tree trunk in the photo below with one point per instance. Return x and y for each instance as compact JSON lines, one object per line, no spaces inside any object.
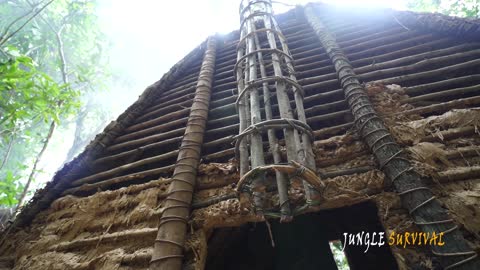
{"x":9,"y":150}
{"x":80,"y":141}
{"x":35,"y":165}
{"x":426,"y":211}
{"x":171,"y":236}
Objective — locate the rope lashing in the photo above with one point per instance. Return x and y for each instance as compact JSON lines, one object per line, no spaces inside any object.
{"x":258,"y":82}
{"x":473,"y":253}
{"x":294,"y":168}
{"x":272,"y":124}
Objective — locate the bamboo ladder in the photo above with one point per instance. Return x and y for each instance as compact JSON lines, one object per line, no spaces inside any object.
{"x":262,"y":68}
{"x":171,"y":236}
{"x":422,"y":205}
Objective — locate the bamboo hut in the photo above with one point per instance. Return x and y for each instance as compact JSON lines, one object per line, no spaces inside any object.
{"x":263,"y":145}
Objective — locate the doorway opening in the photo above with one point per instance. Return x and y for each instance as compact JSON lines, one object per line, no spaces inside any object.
{"x":303,"y":243}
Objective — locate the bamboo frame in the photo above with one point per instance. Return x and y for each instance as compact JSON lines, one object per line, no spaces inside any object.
{"x":440,"y":107}
{"x":272,"y":138}
{"x":249,"y":49}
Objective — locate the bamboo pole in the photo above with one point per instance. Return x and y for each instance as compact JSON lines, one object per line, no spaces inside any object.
{"x":164,"y":109}
{"x":305,"y":149}
{"x":257,"y":157}
{"x":163,"y":127}
{"x":475,"y":89}
{"x":148,"y":139}
{"x":166,"y":170}
{"x":281,"y":178}
{"x":418,"y":199}
{"x":392,"y":66}
{"x":171,"y":236}
{"x":242,"y":115}
{"x":429,"y":74}
{"x":272,"y":78}
{"x":428,"y":87}
{"x":128,"y":166}
{"x":149,"y":123}
{"x":116,"y":236}
{"x":224,"y":122}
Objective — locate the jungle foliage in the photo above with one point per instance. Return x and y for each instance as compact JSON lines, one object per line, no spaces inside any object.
{"x":50,"y":60}
{"x":460,"y":8}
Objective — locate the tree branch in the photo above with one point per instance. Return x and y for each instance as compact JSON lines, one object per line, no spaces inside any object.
{"x":3,"y":40}
{"x":35,"y":165}
{"x":5,"y":32}
{"x":9,"y":149}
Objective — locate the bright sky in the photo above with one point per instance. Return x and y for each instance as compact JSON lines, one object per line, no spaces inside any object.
{"x":149,"y":37}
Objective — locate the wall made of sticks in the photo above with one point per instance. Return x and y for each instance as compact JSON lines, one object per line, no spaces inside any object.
{"x":437,"y":83}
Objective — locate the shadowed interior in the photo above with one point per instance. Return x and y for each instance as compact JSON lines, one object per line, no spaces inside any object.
{"x":301,"y":244}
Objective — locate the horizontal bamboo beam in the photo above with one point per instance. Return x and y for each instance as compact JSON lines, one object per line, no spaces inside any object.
{"x":448,"y":59}
{"x":121,"y":179}
{"x":330,"y":131}
{"x":220,"y":154}
{"x":189,"y":77}
{"x":438,"y":108}
{"x":450,"y":134}
{"x":167,"y":125}
{"x":145,"y":233}
{"x":382,"y":40}
{"x":163,"y":110}
{"x":443,"y":107}
{"x":176,"y":92}
{"x":136,"y":151}
{"x":105,"y":184}
{"x":438,"y":55}
{"x":137,"y":258}
{"x":428,"y":87}
{"x":146,"y":140}
{"x":122,"y":168}
{"x":391,"y":67}
{"x":186,"y":97}
{"x":431,"y":73}
{"x":458,"y":174}
{"x":164,"y":118}
{"x":422,"y":110}
{"x":369,"y":34}
{"x":370,"y":51}
{"x":457,"y":92}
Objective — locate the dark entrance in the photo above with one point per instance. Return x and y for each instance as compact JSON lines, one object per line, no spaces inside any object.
{"x":301,"y":244}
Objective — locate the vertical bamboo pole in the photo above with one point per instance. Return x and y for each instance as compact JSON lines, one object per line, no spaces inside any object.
{"x":418,"y":199}
{"x":242,"y":114}
{"x":304,"y":150}
{"x":266,"y":58}
{"x":256,"y":145}
{"x":307,"y":157}
{"x":282,"y":97}
{"x":169,"y":244}
{"x":282,"y":178}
